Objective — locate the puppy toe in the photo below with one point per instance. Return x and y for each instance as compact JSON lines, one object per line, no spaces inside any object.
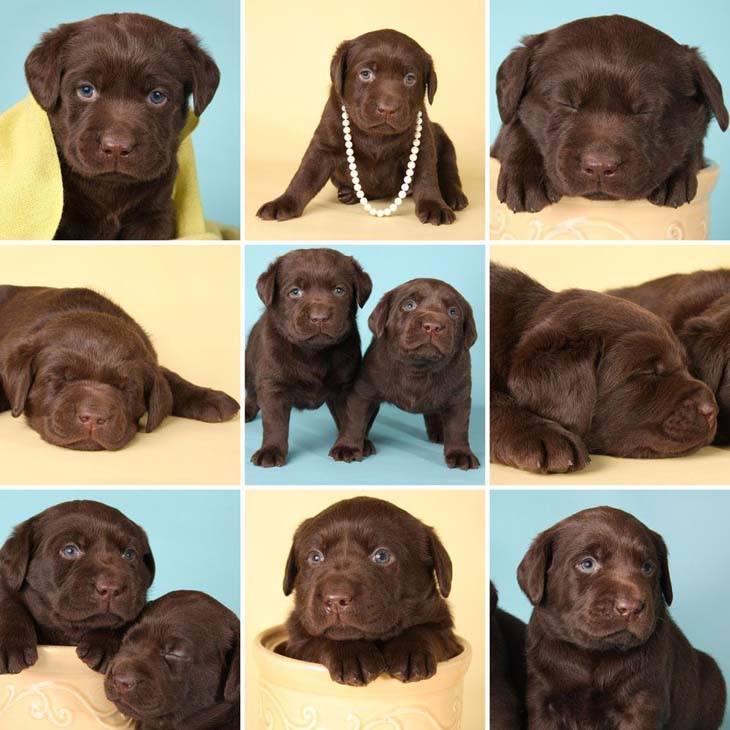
{"x":368,"y":448}
{"x":14,"y":659}
{"x":435,"y":213}
{"x":455,"y":199}
{"x":461,"y":459}
{"x":268,"y":456}
{"x":348,"y":453}
{"x":347,"y":196}
{"x":282,"y":209}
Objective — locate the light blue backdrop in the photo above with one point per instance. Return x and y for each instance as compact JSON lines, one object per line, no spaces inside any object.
{"x":405,"y":456}
{"x":216,"y":22}
{"x":703,"y":24}
{"x":194,"y":535}
{"x":693,"y":524}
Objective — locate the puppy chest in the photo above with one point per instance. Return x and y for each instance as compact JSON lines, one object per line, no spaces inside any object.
{"x":379,"y":176}
{"x":592,"y":709}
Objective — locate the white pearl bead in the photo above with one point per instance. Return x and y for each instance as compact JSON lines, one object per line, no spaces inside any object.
{"x":418,"y":136}
{"x":392,"y":207}
{"x":404,"y":187}
{"x":351,"y":158}
{"x":411,"y":165}
{"x":348,"y":137}
{"x":372,"y":211}
{"x":344,"y":115}
{"x":364,"y":201}
{"x":408,"y":178}
{"x":380,"y":213}
{"x":413,"y":158}
{"x":361,"y":195}
{"x":398,"y":201}
{"x":353,"y":166}
{"x":414,"y":151}
{"x":402,"y":194}
{"x":387,"y":211}
{"x":355,"y":178}
{"x":356,"y":187}
{"x":348,"y":145}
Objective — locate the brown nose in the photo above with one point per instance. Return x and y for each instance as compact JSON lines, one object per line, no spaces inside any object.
{"x":318,"y":315}
{"x":108,"y":587}
{"x":92,"y":416}
{"x":388,"y":106}
{"x":599,"y":165}
{"x":124,"y":682}
{"x":116,"y":144}
{"x":627,"y":607}
{"x":707,"y":407}
{"x":432,"y":328}
{"x":337,"y":601}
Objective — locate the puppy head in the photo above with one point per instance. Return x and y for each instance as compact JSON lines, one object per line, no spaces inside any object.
{"x":424,"y":322}
{"x":366,"y":569}
{"x":313,"y":295}
{"x":116,"y":90}
{"x":91,"y":564}
{"x":615,"y":374}
{"x":600,"y":579}
{"x":181,"y":657}
{"x":381,"y":78}
{"x":613,"y":104}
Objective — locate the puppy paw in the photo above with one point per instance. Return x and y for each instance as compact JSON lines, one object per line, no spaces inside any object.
{"x":97,"y":649}
{"x":17,"y":655}
{"x":546,"y":449}
{"x":341,"y":452}
{"x":281,"y":209}
{"x":268,"y":456}
{"x":409,"y":663}
{"x":368,"y":448}
{"x":347,"y":196}
{"x":455,"y":198}
{"x":357,"y":663}
{"x":251,"y":409}
{"x":461,"y":459}
{"x":676,"y":190}
{"x":435,"y":212}
{"x":211,"y":406}
{"x":525,"y":190}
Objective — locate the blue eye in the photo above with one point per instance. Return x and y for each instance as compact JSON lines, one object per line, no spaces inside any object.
{"x":129,"y":554}
{"x":382,"y":556}
{"x":157,"y":97}
{"x":409,"y":305}
{"x":588,"y":565}
{"x":366,"y":74}
{"x":296,"y":293}
{"x":315,"y":557}
{"x":71,"y":551}
{"x":86,"y":91}
{"x":409,"y":79}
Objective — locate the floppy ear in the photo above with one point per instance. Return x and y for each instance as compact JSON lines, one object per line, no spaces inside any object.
{"x":470,"y":326}
{"x":266,"y":284}
{"x":158,"y":397}
{"x":707,"y":356}
{"x":204,"y":72}
{"x":532,"y":570}
{"x":338,"y":67}
{"x":44,"y":67}
{"x":290,"y":572}
{"x":15,"y":555}
{"x":363,"y":284}
{"x":16,"y":376}
{"x":493,"y":598}
{"x":512,"y":78}
{"x":665,"y":580}
{"x":379,"y":316}
{"x":149,"y":561}
{"x":431,"y":80}
{"x":709,"y":87}
{"x":232,"y":689}
{"x":441,"y":562}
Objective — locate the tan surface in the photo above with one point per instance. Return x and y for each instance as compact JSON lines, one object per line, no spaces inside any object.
{"x":187,"y":299}
{"x":272,"y":517}
{"x":603,"y":267}
{"x":288,"y":54}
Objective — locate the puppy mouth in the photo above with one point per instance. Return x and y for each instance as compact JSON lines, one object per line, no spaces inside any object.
{"x":427,"y":350}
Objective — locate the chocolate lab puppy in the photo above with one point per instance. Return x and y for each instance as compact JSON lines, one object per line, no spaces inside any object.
{"x":419,"y":361}
{"x":602,"y":650}
{"x":84,"y":372}
{"x":116,"y":91}
{"x":365,"y":575}
{"x":179,"y":665}
{"x":305,"y":349}
{"x":697,"y":306}
{"x":380,"y":78}
{"x":577,"y":371}
{"x":606,"y":108}
{"x":75,"y":574}
{"x":507,"y":668}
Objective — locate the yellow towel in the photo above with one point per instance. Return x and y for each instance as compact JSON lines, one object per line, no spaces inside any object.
{"x":31,"y":188}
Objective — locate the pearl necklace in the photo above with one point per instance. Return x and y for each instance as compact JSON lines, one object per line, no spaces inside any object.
{"x":398,"y":200}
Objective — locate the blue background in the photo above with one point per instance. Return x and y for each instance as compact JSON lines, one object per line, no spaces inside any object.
{"x":693,"y":524}
{"x":404,"y":454}
{"x":194,"y":535}
{"x":703,"y":24}
{"x":216,"y":22}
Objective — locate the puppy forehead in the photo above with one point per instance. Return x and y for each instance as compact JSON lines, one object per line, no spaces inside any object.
{"x":611,"y":531}
{"x":427,"y":289}
{"x":387,"y":45}
{"x":82,"y":526}
{"x":315,"y":265}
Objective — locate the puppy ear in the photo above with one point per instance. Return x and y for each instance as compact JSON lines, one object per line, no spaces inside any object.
{"x":512,"y":78}
{"x":665,"y":580}
{"x":290,"y":572}
{"x":205,"y":75}
{"x":338,"y":67}
{"x":266,"y":284}
{"x":554,"y":374}
{"x":149,"y":560}
{"x":470,"y":326}
{"x":363,"y":284}
{"x":706,"y":356}
{"x":16,"y":376}
{"x":532,"y":570}
{"x":493,"y":598}
{"x":232,"y":688}
{"x":441,"y":562}
{"x":709,"y":87}
{"x":44,"y":67}
{"x":15,"y":555}
{"x":158,"y":397}
{"x":431,"y":80}
{"x":379,"y":316}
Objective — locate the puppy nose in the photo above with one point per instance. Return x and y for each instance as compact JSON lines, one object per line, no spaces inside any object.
{"x":317,"y":316}
{"x":124,"y":682}
{"x":108,"y":587}
{"x":707,"y":407}
{"x":92,"y":417}
{"x":116,"y":145}
{"x":337,"y":602}
{"x":388,"y":106}
{"x":432,"y":328}
{"x":628,"y":606}
{"x":599,"y":165}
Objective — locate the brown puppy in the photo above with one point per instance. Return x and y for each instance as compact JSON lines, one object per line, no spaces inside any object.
{"x":602,"y":650}
{"x":697,"y":306}
{"x":419,"y":361}
{"x":578,"y":371}
{"x":507,"y":668}
{"x":366,"y":599}
{"x":606,"y":108}
{"x":305,"y":349}
{"x":116,"y":90}
{"x":179,"y":665}
{"x":380,"y":78}
{"x":76,"y":573}
{"x":84,"y":372}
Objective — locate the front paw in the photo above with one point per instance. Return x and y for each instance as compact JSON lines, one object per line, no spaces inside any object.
{"x":409,"y":662}
{"x":461,"y":459}
{"x":356,"y":664}
{"x":17,"y":654}
{"x":281,"y":209}
{"x":678,"y":189}
{"x":342,"y":452}
{"x":347,"y":196}
{"x":97,"y":649}
{"x":212,"y":406}
{"x":435,"y":212}
{"x":525,"y":189}
{"x":268,"y":456}
{"x":454,"y":197}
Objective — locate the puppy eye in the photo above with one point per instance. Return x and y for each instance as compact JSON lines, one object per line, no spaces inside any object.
{"x":68,"y":375}
{"x":588,"y":565}
{"x":178,"y":655}
{"x":70,"y":551}
{"x":339,"y":291}
{"x":296,"y":293}
{"x":157,"y":97}
{"x":129,"y":553}
{"x":86,"y":91}
{"x":315,"y":557}
{"x":453,"y":312}
{"x":648,"y":568}
{"x":567,"y":105}
{"x":409,"y":79}
{"x":409,"y":305}
{"x":382,"y":557}
{"x":366,"y":74}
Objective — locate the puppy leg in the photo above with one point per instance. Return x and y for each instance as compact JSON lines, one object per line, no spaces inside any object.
{"x":357,"y":418}
{"x":713,"y":692}
{"x":681,"y":186}
{"x":275,"y":413}
{"x":356,"y":663}
{"x":200,"y":404}
{"x":346,"y":195}
{"x":251,"y":407}
{"x":434,"y":427}
{"x":18,"y":639}
{"x":97,"y":648}
{"x":338,"y":409}
{"x":457,"y":451}
{"x":448,"y":171}
{"x":414,"y":654}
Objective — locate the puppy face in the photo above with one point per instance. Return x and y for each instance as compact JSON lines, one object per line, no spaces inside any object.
{"x":313,"y":295}
{"x":89,"y":563}
{"x":424,"y":321}
{"x":365,"y":569}
{"x":613,"y":104}
{"x":171,"y":664}
{"x":381,"y":77}
{"x":600,"y":579}
{"x":116,"y":89}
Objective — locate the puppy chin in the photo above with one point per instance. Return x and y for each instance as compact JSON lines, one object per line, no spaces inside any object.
{"x":621,"y":640}
{"x":426,"y":352}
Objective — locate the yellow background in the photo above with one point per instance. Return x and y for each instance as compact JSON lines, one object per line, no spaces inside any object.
{"x":289,"y":47}
{"x":458,"y":516}
{"x":187,"y":299}
{"x":605,"y":267}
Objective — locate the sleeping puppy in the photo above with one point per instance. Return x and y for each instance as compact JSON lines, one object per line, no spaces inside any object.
{"x":304,"y":351}
{"x":179,"y":665}
{"x":419,"y":361}
{"x":577,"y":371}
{"x":380,"y":78}
{"x":602,"y":650}
{"x":697,"y":306}
{"x":116,"y":91}
{"x":84,"y":372}
{"x":365,"y":575}
{"x":75,"y":574}
{"x":605,"y":108}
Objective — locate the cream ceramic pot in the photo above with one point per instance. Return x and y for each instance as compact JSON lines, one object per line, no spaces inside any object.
{"x":296,"y":695}
{"x":581,"y":219}
{"x":58,"y":691}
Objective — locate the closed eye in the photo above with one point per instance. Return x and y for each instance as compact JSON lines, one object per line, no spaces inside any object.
{"x":567,"y":105}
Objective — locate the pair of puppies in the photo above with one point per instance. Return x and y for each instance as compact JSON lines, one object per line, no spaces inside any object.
{"x":78,"y":574}
{"x":304,"y":351}
{"x":602,"y":650}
